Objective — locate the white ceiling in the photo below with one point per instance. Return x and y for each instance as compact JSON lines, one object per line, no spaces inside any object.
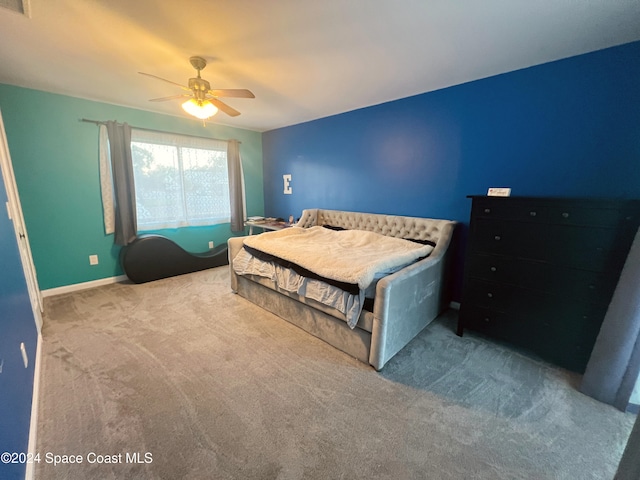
{"x":303,"y":59}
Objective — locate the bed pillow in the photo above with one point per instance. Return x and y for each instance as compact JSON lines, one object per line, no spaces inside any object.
{"x":422,"y":242}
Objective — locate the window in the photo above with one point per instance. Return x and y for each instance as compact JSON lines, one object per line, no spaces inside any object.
{"x":179,"y":180}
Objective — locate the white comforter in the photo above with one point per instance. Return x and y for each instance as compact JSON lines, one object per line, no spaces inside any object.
{"x":350,"y":256}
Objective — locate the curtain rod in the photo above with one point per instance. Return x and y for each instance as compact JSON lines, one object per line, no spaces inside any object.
{"x":103,"y":122}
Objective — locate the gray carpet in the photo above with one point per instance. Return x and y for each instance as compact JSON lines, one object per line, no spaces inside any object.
{"x":212,"y":386}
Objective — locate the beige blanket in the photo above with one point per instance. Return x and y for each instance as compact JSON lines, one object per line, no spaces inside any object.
{"x":350,"y":256}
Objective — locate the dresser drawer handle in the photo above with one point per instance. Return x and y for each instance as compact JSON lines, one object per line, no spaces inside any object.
{"x":533,"y":214}
{"x":487,"y":210}
{"x":497,"y":237}
{"x":486,"y":319}
{"x":490,"y":295}
{"x":592,"y":287}
{"x":493,"y":269}
{"x":565,"y":215}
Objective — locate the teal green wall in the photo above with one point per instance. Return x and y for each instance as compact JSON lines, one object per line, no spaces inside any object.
{"x":55,"y":158}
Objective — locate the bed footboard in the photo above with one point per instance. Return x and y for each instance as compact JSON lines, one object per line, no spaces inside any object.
{"x":409,"y":300}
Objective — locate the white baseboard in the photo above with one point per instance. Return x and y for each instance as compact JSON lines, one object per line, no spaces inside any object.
{"x":82,"y":286}
{"x":35,"y":401}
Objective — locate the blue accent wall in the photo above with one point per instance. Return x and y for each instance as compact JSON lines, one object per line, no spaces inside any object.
{"x":17,"y":325}
{"x":567,"y":128}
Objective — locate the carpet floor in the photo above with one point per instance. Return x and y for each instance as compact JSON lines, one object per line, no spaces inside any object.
{"x":182,"y":379}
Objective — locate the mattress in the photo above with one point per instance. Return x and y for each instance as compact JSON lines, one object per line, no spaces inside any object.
{"x":349,"y":305}
{"x":339,"y":269}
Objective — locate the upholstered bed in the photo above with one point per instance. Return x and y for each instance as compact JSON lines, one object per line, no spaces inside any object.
{"x":399,"y":293}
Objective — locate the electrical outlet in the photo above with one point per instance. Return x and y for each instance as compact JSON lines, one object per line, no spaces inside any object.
{"x":210,"y":244}
{"x":93,"y":259}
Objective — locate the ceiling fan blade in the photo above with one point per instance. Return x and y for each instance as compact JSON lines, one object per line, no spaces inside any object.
{"x":165,"y":80}
{"x":223,"y":107}
{"x":172,"y":97}
{"x":232,"y":92}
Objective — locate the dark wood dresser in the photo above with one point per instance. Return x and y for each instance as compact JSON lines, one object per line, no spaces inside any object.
{"x":540,"y":272}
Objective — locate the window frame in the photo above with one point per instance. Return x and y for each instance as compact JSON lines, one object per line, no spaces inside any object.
{"x":180,"y":143}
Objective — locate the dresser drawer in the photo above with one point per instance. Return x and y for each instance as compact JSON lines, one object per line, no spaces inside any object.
{"x":577,"y":284}
{"x":500,"y":210}
{"x":596,"y":249}
{"x":563,"y":339}
{"x":500,"y":325}
{"x":570,"y":336}
{"x":507,"y":298}
{"x":593,"y":217}
{"x":500,"y":237}
{"x":495,"y":296}
{"x":539,"y":305}
{"x":562,"y":213}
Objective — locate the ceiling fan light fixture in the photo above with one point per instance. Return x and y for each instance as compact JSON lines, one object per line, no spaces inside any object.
{"x":203,"y":102}
{"x":201,"y":109}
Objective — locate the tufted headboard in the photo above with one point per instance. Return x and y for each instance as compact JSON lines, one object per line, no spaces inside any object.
{"x":414,"y":228}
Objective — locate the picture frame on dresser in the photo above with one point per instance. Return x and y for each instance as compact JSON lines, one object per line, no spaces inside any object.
{"x":540,"y":271}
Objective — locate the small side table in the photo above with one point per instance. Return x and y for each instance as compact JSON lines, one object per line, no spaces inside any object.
{"x":265,"y":225}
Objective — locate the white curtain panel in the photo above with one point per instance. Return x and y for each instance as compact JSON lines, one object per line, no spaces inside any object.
{"x":106,"y":182}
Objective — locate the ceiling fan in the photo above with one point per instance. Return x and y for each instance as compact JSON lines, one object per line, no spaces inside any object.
{"x":203,"y":102}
